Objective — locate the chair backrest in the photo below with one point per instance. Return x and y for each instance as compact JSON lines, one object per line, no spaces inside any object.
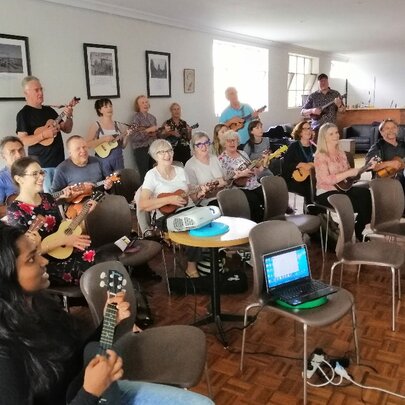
{"x":344,"y":210}
{"x":312,"y":178}
{"x":275,"y":193}
{"x":387,"y":197}
{"x":109,"y":221}
{"x":96,"y":296}
{"x":129,"y":183}
{"x":268,"y":237}
{"x":233,"y":203}
{"x":350,"y":159}
{"x":143,"y":217}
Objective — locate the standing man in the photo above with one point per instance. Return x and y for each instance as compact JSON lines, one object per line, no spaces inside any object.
{"x":234,"y":112}
{"x":315,"y":106}
{"x":11,"y":149}
{"x":34,"y":115}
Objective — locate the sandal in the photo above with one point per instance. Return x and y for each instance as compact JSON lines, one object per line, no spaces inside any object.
{"x":194,"y":274}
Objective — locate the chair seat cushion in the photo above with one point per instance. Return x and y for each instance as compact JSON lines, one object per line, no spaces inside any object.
{"x":148,"y":250}
{"x":377,"y":253}
{"x":306,"y":223}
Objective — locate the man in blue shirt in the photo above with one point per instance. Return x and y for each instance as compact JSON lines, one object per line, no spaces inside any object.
{"x":11,"y":149}
{"x":234,"y":112}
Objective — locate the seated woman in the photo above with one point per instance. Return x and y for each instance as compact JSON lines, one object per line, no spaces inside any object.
{"x":298,"y":161}
{"x":219,"y":130}
{"x":235,"y":163}
{"x":31,"y":202}
{"x":167,"y":178}
{"x":331,"y":167}
{"x":107,"y":130}
{"x":204,"y":167}
{"x":178,"y":133}
{"x":41,"y":350}
{"x":257,"y":146}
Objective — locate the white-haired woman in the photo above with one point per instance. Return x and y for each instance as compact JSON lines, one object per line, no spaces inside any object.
{"x":165,"y":178}
{"x":204,"y":167}
{"x":331,"y":167}
{"x":235,"y":162}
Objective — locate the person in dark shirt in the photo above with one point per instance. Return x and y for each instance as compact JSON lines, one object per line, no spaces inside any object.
{"x":316,"y":100}
{"x":34,"y":115}
{"x":11,"y":149}
{"x":390,"y":150}
{"x":41,"y":350}
{"x":298,"y":161}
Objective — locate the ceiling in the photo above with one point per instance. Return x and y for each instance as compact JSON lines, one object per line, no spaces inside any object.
{"x":343,"y":26}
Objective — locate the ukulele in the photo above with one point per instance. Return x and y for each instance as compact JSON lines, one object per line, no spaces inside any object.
{"x":173,"y":139}
{"x":76,"y":190}
{"x":263,"y":161}
{"x":54,"y":123}
{"x":390,"y":171}
{"x":87,"y":189}
{"x":302,"y":173}
{"x":170,"y":208}
{"x":347,"y":184}
{"x":104,"y":149}
{"x":324,"y":107}
{"x":35,"y":225}
{"x":70,"y":227}
{"x":114,"y":284}
{"x":236,"y":123}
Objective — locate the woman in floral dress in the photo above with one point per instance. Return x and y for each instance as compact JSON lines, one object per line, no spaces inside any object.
{"x":31,"y":202}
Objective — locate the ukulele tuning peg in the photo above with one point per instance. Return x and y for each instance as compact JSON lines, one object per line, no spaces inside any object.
{"x":102,"y":275}
{"x":124,"y":282}
{"x":102,"y":284}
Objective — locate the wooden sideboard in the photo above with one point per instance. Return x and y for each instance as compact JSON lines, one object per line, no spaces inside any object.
{"x":354,"y":116}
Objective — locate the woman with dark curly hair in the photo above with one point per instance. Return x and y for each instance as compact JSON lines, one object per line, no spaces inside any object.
{"x":31,"y":202}
{"x":40,"y":348}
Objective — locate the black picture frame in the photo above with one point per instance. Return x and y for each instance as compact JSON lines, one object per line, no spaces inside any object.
{"x":158,"y":74}
{"x":14,"y":66}
{"x":101,"y":69}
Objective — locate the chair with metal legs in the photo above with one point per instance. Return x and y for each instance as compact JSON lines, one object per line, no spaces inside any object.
{"x":374,"y":253}
{"x":271,"y":236}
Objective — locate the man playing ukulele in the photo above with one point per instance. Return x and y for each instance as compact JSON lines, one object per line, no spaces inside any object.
{"x":313,"y":106}
{"x":34,"y":115}
{"x":234,"y":113}
{"x":390,"y":150}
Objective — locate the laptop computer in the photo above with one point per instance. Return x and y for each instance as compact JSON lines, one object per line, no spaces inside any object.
{"x":288,"y":277}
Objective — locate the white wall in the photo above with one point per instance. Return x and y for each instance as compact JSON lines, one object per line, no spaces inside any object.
{"x":56,"y":36}
{"x":388,"y":70}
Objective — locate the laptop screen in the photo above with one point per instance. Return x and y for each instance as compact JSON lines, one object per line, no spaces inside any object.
{"x":285,"y":266}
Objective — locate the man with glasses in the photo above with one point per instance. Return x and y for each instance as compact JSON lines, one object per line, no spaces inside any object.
{"x":35,"y":115}
{"x":390,"y":150}
{"x":11,"y":149}
{"x":79,"y":167}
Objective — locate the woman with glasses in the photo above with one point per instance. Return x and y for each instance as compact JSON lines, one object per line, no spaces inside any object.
{"x":204,"y":167}
{"x":30,"y":202}
{"x":178,"y":133}
{"x":166,"y":178}
{"x":299,"y":160}
{"x":235,"y":163}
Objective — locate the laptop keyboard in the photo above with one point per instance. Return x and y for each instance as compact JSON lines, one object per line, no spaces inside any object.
{"x":303,"y":289}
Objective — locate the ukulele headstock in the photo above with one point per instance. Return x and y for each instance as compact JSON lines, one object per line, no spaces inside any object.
{"x":114,"y":281}
{"x":114,"y":177}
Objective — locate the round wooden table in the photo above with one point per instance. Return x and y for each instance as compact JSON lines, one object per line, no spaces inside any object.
{"x":238,"y":234}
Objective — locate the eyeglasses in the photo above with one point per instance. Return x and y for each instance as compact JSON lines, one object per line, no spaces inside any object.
{"x":202,"y":144}
{"x":163,"y":152}
{"x":35,"y":174}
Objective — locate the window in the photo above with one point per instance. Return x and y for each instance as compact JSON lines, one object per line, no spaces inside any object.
{"x":338,"y":69}
{"x":301,"y":78}
{"x":241,"y":66}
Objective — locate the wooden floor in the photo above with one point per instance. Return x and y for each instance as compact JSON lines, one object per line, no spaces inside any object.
{"x":276,"y":380}
{"x":270,"y":378}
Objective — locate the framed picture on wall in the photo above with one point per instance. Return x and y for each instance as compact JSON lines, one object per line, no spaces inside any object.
{"x":101,"y":68}
{"x":158,"y":74}
{"x":14,"y":65}
{"x":189,"y":80}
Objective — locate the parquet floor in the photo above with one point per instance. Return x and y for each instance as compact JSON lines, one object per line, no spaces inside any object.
{"x":276,"y":380}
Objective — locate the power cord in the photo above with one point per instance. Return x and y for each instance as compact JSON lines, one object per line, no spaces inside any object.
{"x":343,"y":373}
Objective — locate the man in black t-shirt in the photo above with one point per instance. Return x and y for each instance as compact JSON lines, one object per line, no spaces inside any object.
{"x":34,"y":115}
